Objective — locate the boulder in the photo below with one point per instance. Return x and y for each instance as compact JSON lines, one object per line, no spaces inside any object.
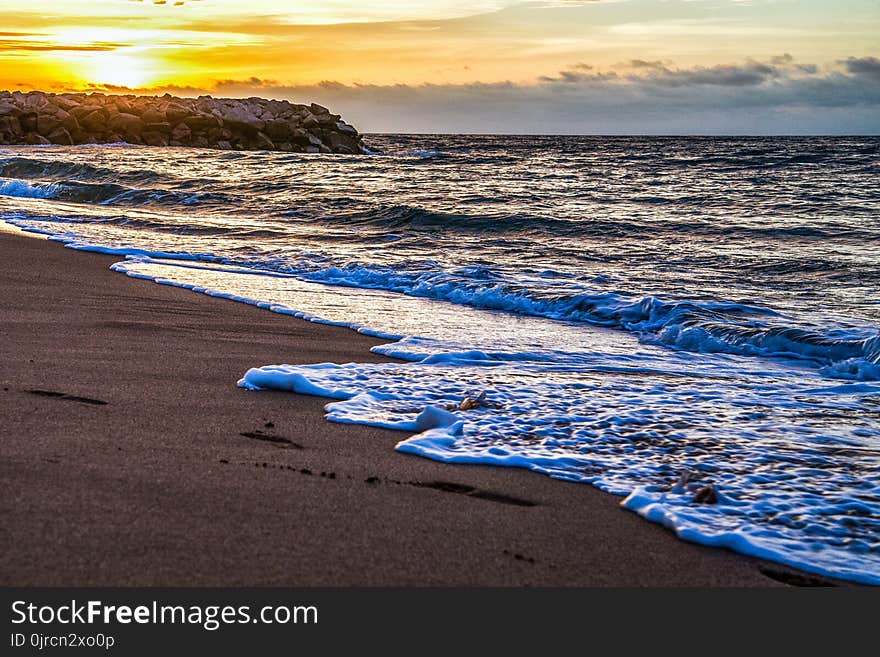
{"x":175,"y":113}
{"x":262,"y":142}
{"x":346,"y":129}
{"x":155,"y":139}
{"x":300,"y":136}
{"x":95,"y":121}
{"x":153,"y":115}
{"x":35,"y":100}
{"x":61,"y":136}
{"x":225,"y":123}
{"x":67,"y":120}
{"x":239,"y":117}
{"x":314,"y":140}
{"x":198,"y":122}
{"x":28,"y":121}
{"x":66,"y":103}
{"x":162,"y":127}
{"x":126,"y":123}
{"x":47,"y":123}
{"x":80,"y":111}
{"x":10,"y":129}
{"x":181,"y":132}
{"x":205,"y":104}
{"x":342,"y":143}
{"x":277,"y":129}
{"x":327,"y":120}
{"x":36,"y":140}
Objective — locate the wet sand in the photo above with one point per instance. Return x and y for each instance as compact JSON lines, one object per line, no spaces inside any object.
{"x":130,"y":457}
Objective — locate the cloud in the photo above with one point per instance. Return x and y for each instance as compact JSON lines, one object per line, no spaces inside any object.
{"x":778,"y":96}
{"x":729,"y":75}
{"x":726,"y":75}
{"x":641,"y":63}
{"x":664,"y":74}
{"x":863,"y":67}
{"x":12,"y":45}
{"x":250,"y":83}
{"x":749,"y":73}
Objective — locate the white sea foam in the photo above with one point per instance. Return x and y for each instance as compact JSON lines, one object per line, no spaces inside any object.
{"x":26,"y":189}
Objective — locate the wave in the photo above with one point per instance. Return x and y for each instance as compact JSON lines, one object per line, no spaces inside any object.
{"x":851,"y":358}
{"x":425,"y":153}
{"x":405,"y":217}
{"x":708,"y":326}
{"x":103,"y":193}
{"x":25,"y":189}
{"x":24,"y":167}
{"x":416,"y":219}
{"x":144,"y":221}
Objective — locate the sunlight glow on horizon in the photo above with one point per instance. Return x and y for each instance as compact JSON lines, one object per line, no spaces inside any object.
{"x":265,"y":47}
{"x":400,"y":42}
{"x":125,"y":56}
{"x":124,"y":70}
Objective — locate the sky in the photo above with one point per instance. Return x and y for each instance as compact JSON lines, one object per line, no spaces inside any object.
{"x":476,"y":66}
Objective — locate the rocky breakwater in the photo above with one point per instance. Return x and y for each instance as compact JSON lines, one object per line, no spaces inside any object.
{"x":204,"y":122}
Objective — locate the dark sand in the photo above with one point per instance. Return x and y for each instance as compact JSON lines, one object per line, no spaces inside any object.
{"x":158,"y":486}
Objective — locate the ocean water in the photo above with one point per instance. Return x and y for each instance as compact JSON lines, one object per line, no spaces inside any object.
{"x":650,"y":316}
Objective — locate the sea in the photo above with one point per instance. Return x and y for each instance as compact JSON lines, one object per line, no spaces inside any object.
{"x":692,"y":324}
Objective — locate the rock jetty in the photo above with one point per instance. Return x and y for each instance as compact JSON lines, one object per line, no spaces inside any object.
{"x":205,"y":122}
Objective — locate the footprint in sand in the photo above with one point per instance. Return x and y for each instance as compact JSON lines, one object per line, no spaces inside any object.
{"x":271,"y":438}
{"x":62,"y":395}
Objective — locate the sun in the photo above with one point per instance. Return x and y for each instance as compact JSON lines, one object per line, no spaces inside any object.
{"x":118,"y":69}
{"x":120,"y":57}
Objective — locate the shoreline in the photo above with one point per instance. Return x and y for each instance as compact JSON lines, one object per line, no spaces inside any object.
{"x":133,"y":459}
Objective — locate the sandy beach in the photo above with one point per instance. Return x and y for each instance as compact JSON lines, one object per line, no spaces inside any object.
{"x":130,"y":458}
